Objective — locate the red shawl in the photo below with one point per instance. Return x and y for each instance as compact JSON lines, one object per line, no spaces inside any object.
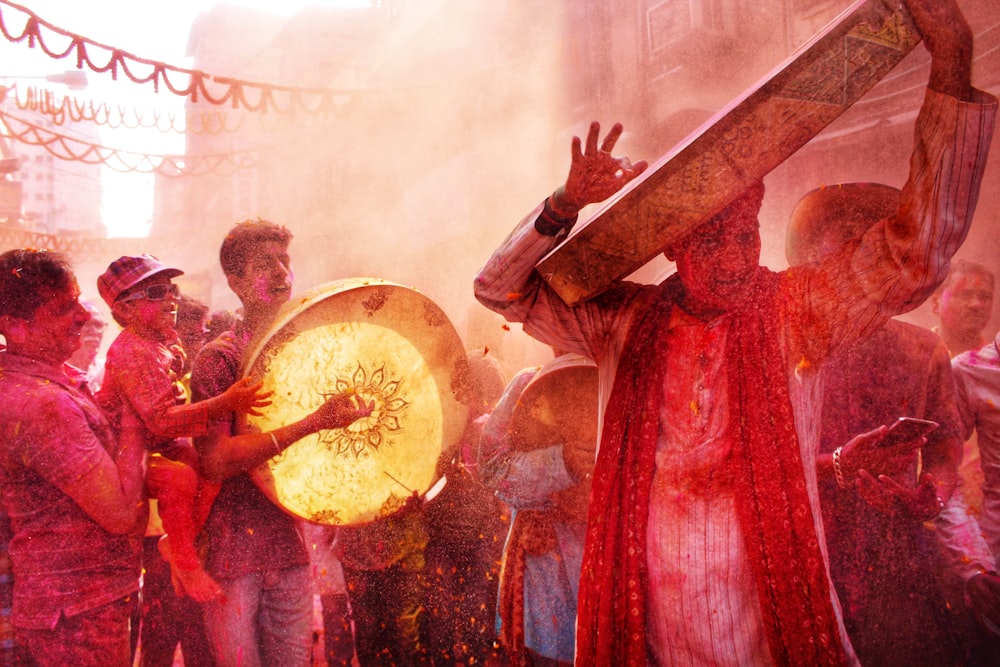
{"x":771,"y":496}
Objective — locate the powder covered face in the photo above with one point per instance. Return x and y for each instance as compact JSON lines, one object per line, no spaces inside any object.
{"x":156,"y":317}
{"x":966,"y":305}
{"x":52,"y":334}
{"x":267,"y":278}
{"x":718,"y":260}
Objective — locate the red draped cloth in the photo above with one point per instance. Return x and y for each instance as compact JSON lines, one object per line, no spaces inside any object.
{"x":770,"y":487}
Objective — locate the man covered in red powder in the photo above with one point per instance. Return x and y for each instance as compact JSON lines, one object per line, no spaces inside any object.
{"x":704,"y":541}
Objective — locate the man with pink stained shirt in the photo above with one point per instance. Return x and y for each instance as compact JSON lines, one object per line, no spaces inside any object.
{"x":74,"y":495}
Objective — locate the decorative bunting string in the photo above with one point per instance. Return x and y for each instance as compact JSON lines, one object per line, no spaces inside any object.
{"x":61,"y":109}
{"x":216,"y":90}
{"x":70,"y":149}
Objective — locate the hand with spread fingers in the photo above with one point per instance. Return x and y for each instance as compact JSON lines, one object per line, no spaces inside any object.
{"x":246,"y":395}
{"x":340,"y":410}
{"x":594,"y":174}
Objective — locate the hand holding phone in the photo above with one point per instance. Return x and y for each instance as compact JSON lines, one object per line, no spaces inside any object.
{"x":907,"y":429}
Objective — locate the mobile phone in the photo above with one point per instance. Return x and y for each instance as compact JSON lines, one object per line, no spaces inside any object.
{"x":907,"y":428}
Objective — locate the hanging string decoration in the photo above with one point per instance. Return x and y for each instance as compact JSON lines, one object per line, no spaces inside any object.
{"x":70,"y":149}
{"x":194,"y":84}
{"x":60,"y":109}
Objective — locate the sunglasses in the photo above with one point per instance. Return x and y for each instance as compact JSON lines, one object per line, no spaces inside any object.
{"x":157,"y":292}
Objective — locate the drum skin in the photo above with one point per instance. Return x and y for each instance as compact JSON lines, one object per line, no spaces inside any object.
{"x":389,"y":345}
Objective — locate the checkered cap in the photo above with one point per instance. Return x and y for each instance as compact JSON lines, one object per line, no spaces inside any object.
{"x":126,"y":272}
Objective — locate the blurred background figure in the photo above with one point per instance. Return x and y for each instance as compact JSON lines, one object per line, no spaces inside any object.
{"x":191,"y":328}
{"x":330,"y":589}
{"x":977,"y":376}
{"x":88,"y":359}
{"x":384,"y":567}
{"x":964,"y":304}
{"x":466,"y":523}
{"x":902,"y":604}
{"x":537,"y":451}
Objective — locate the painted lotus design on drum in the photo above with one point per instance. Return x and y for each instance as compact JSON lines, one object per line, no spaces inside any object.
{"x":385,"y":418}
{"x":386,"y":344}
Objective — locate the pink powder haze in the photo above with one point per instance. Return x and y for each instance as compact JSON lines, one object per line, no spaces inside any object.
{"x":452,"y":119}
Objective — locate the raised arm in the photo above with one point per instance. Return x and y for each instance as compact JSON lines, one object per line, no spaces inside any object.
{"x":508,"y":284}
{"x":952,"y":137}
{"x":191,"y":419}
{"x":901,"y":260}
{"x":153,"y":395}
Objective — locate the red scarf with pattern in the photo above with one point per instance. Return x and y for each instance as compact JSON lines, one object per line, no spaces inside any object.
{"x":771,"y":497}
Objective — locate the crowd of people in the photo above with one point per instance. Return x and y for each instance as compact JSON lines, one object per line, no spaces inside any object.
{"x":725,"y":488}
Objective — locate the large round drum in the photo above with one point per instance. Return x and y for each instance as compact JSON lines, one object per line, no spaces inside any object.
{"x":558,"y":405}
{"x":389,"y":345}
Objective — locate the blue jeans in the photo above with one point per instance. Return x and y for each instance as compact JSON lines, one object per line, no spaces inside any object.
{"x":263,"y":619}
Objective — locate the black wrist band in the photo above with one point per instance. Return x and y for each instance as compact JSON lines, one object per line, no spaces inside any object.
{"x":549,"y":224}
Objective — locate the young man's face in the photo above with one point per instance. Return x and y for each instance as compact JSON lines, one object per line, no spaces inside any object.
{"x":267,"y":278}
{"x":152,"y":315}
{"x":52,"y":334}
{"x":717,"y":262}
{"x":966,"y":305}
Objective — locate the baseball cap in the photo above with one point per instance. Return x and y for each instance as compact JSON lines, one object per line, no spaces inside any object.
{"x":127,"y":271}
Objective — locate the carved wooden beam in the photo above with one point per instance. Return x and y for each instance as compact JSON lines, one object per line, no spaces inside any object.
{"x":735,"y":148}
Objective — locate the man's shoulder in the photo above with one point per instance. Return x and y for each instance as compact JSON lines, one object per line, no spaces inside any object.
{"x":29,"y":397}
{"x":227,"y":348}
{"x":18,"y":374}
{"x":982,"y":360}
{"x":16,"y":384}
{"x":915,"y":337}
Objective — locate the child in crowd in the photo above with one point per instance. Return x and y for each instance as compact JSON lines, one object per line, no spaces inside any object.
{"x":143,"y":398}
